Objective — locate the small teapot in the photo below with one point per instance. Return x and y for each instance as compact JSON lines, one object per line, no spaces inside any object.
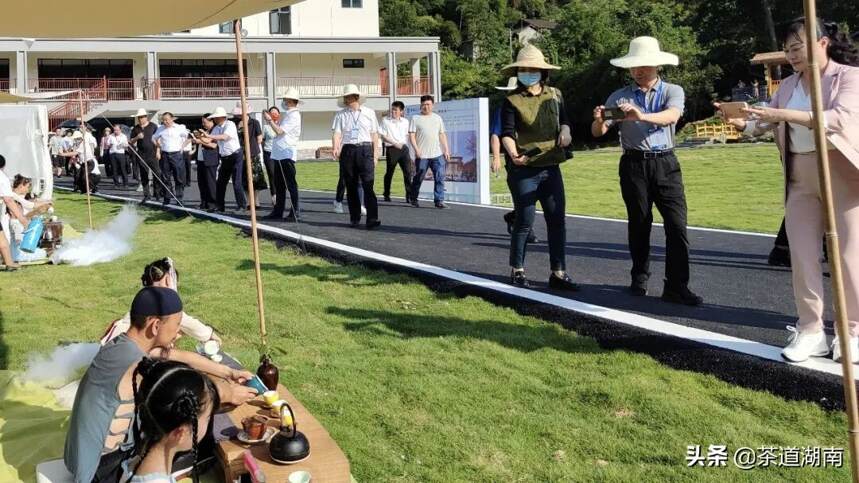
{"x":289,"y":446}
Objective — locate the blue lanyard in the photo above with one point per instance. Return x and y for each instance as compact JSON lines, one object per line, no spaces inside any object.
{"x":655,"y":103}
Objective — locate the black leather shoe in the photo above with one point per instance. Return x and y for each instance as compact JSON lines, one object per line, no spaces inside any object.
{"x":681,"y":295}
{"x":415,"y":203}
{"x":273,"y":217}
{"x":779,"y":257}
{"x":373,"y":224}
{"x":563,"y":283}
{"x":518,"y":279}
{"x":354,"y":224}
{"x":387,"y":198}
{"x":638,"y":288}
{"x":440,"y":205}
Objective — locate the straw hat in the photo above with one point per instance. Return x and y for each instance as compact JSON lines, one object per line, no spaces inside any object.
{"x":644,"y":52}
{"x":140,"y":113}
{"x":77,"y":135}
{"x":530,"y":57}
{"x":350,"y":90}
{"x":512,"y":83}
{"x":219,"y":112}
{"x":292,"y":93}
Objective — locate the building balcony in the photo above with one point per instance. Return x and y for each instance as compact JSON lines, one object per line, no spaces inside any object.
{"x":202,"y":87}
{"x":7,"y":85}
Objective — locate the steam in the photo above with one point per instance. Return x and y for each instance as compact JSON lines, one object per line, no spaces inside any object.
{"x":104,"y":245}
{"x":64,"y":364}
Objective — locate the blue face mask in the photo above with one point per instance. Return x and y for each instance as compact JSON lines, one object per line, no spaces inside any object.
{"x":529,"y":79}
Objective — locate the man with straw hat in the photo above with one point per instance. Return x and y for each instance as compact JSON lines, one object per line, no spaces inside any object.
{"x":356,"y":133}
{"x":232,"y":160}
{"x":284,"y":151}
{"x":143,"y":147}
{"x":647,"y":112}
{"x":535,"y":133}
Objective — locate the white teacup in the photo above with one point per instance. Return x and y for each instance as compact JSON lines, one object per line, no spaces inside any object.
{"x":299,"y":477}
{"x":211,"y":347}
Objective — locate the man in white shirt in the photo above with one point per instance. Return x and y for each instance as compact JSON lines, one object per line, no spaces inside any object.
{"x":82,"y":153}
{"x":232,"y":160}
{"x":56,"y":144}
{"x":429,"y":139}
{"x":116,"y":143}
{"x":7,"y":200}
{"x":395,"y":132}
{"x":170,"y":140}
{"x":356,"y":133}
{"x":284,"y":149}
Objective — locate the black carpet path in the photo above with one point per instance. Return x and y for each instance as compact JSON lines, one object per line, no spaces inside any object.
{"x":744,"y":297}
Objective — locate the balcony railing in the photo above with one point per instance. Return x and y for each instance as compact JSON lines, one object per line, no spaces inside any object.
{"x":202,"y":87}
{"x":7,"y":85}
{"x":333,"y":86}
{"x":408,"y":86}
{"x":96,"y":88}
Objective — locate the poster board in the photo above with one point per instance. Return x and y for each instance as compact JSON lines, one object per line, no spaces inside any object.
{"x":466,"y":122}
{"x":24,"y":144}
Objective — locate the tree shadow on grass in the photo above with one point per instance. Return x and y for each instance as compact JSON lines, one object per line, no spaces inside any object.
{"x":524,"y":338}
{"x":332,"y":273}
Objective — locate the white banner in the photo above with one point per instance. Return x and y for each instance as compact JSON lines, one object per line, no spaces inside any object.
{"x":467,"y":173}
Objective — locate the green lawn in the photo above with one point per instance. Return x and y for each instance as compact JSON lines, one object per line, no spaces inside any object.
{"x":418,"y":386}
{"x":736,"y":187}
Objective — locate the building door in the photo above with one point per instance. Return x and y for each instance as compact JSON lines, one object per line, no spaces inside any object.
{"x":4,"y":75}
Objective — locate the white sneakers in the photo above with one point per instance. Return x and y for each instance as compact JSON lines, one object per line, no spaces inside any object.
{"x":803,"y":345}
{"x":338,"y":207}
{"x":854,"y":350}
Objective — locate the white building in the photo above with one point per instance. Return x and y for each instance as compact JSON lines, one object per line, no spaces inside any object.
{"x":316,"y":46}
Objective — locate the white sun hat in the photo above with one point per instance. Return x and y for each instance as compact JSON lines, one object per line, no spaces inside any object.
{"x":292,"y":93}
{"x":512,"y":83}
{"x":350,"y":90}
{"x":644,"y":52}
{"x":140,"y":113}
{"x":219,"y":112}
{"x":529,"y":57}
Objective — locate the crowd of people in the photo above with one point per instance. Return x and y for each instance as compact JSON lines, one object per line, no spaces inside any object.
{"x":142,"y":401}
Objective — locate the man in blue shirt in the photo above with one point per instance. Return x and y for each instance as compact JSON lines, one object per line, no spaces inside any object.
{"x":649,"y":170}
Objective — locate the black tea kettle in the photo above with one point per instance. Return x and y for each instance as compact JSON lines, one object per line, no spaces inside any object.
{"x":289,"y":446}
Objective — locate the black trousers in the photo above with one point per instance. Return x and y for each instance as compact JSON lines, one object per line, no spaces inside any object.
{"x":269,"y":170}
{"x":643,"y":183}
{"x":232,"y":166}
{"x":207,"y":182}
{"x":399,"y":157}
{"x":187,"y":156}
{"x":81,"y":178}
{"x":173,"y":165}
{"x":283,"y":179}
{"x":117,"y":164}
{"x":356,"y":163}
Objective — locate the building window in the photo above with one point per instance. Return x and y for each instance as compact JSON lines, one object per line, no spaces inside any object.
{"x":352,"y":3}
{"x":353,"y":63}
{"x":199,"y":67}
{"x":280,"y":21}
{"x":85,"y":68}
{"x":226,"y":28}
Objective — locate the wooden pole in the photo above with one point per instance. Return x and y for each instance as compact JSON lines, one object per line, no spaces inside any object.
{"x":832,"y":236}
{"x":82,"y":128}
{"x":237,"y":28}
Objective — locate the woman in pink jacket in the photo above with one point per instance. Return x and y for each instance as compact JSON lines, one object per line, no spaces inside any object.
{"x":790,"y":115}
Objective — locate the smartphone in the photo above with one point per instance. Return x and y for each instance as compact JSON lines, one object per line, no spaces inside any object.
{"x":733,"y":110}
{"x":256,"y":383}
{"x":613,"y":114}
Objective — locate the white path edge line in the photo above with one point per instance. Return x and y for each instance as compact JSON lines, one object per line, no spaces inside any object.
{"x":701,"y":336}
{"x":587,"y":217}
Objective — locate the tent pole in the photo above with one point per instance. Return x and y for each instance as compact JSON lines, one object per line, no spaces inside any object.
{"x":832,"y":236}
{"x":237,"y":29}
{"x":82,"y":127}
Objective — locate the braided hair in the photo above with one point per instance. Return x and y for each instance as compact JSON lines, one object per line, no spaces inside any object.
{"x":842,"y":48}
{"x":157,"y":270}
{"x":170,"y":395}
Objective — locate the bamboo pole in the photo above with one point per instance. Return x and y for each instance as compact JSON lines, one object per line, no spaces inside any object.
{"x":832,"y":236}
{"x":237,"y":28}
{"x":82,"y":128}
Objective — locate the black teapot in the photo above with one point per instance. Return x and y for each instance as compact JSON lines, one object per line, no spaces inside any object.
{"x":289,"y":446}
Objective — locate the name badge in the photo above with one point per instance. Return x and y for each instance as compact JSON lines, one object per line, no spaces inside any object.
{"x":356,"y":133}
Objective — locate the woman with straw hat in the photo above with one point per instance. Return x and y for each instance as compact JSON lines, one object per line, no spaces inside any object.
{"x":647,"y":112}
{"x":536,"y":135}
{"x":284,"y":151}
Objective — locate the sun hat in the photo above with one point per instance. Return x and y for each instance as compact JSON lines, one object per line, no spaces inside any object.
{"x":644,"y":52}
{"x":219,"y":112}
{"x":530,"y":57}
{"x":512,"y":83}
{"x":292,"y":93}
{"x":140,"y":113}
{"x":77,"y":135}
{"x":350,"y":90}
